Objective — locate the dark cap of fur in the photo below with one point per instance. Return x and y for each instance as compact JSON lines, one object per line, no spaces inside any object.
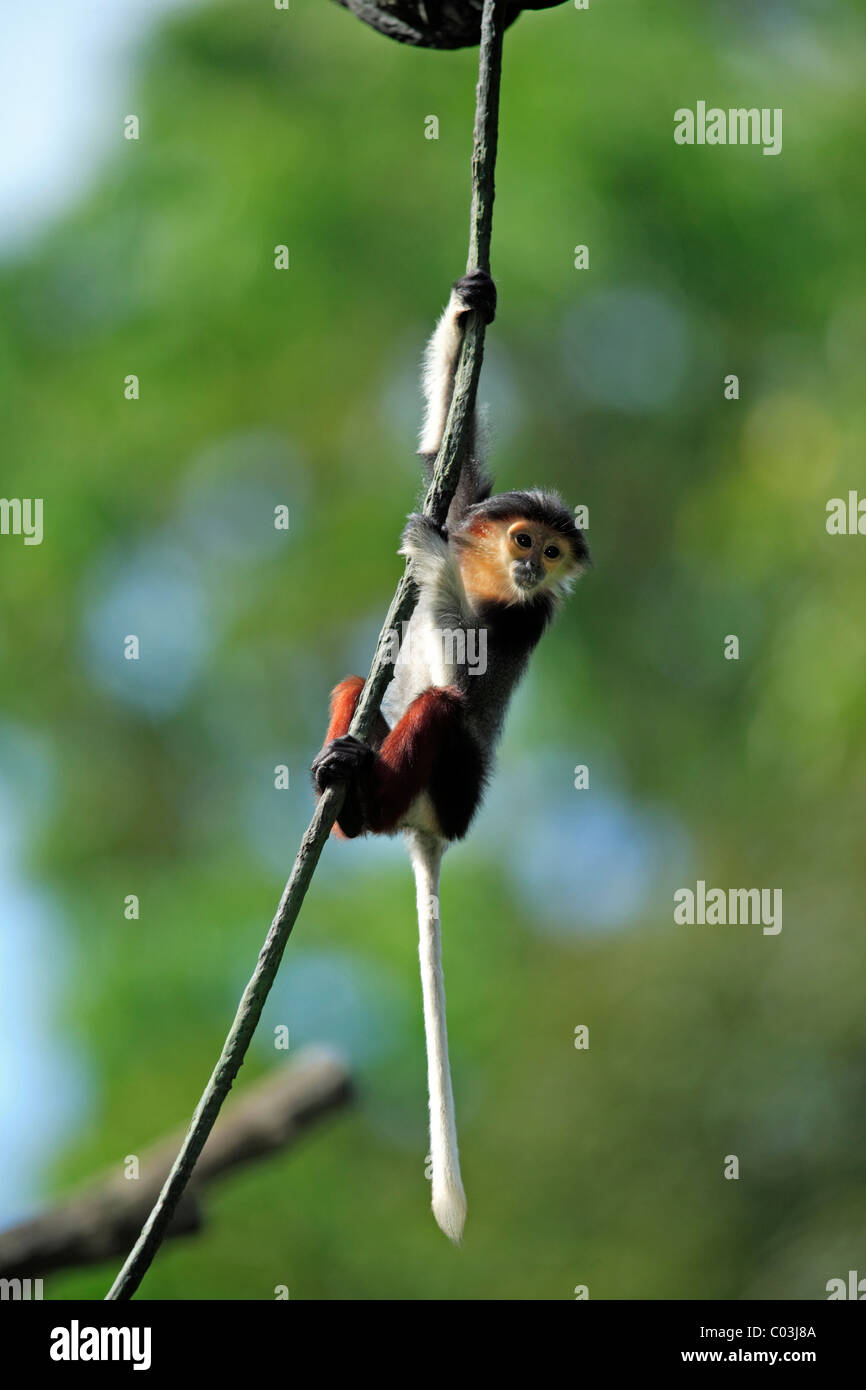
{"x":547,"y":508}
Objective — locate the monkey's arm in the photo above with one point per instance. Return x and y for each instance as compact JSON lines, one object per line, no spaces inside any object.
{"x":382,"y":784}
{"x":344,"y":701}
{"x":473,"y":291}
{"x":433,"y":566}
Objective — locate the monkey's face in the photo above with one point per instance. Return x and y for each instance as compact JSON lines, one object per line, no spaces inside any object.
{"x":514,"y":559}
{"x":535,"y":557}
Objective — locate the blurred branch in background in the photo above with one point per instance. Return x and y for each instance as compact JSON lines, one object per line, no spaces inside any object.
{"x":100,"y":1221}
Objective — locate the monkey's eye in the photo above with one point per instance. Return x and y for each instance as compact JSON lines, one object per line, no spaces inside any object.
{"x":524,"y":540}
{"x":551,"y":552}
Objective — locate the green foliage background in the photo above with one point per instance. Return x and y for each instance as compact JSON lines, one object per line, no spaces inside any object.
{"x":707,"y":517}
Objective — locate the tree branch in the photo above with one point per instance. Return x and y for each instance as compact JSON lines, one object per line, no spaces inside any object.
{"x":445,"y":478}
{"x":99,"y":1221}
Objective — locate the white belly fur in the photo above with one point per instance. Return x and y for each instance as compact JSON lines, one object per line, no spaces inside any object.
{"x":421,"y":664}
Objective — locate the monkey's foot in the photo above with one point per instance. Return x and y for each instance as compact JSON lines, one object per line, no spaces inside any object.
{"x":341,"y":761}
{"x":477,"y":291}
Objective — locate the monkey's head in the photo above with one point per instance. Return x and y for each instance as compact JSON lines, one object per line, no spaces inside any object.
{"x":519,"y":546}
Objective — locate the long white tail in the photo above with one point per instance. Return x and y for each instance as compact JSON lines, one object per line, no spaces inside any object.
{"x":449,"y":1200}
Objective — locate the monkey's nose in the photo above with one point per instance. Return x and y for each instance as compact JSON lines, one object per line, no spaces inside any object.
{"x":526,"y":574}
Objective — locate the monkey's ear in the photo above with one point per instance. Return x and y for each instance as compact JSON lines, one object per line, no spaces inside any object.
{"x":578,"y":562}
{"x":582,"y":557}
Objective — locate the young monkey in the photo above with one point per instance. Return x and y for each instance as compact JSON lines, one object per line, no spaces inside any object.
{"x":496,"y":570}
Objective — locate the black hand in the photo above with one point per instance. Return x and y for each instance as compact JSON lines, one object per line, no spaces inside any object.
{"x":477,"y":291}
{"x":342,"y":761}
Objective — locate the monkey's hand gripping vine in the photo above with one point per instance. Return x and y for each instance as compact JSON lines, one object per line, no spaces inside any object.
{"x":489,"y":581}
